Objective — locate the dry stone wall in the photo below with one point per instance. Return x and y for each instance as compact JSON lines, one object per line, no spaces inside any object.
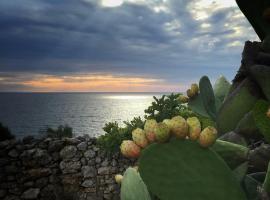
{"x":54,"y":169}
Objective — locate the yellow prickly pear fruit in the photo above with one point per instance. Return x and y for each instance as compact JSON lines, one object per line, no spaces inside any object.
{"x":118,"y":178}
{"x":162,"y":132}
{"x":149,"y":127}
{"x":178,"y":127}
{"x":268,"y":113}
{"x":129,"y":149}
{"x":208,"y":136}
{"x":139,"y":137}
{"x":194,"y":128}
{"x":183,"y":99}
{"x":194,"y":88}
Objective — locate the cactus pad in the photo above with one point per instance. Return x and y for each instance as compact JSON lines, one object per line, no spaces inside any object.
{"x":132,"y":186}
{"x":181,"y":169}
{"x":261,"y":119}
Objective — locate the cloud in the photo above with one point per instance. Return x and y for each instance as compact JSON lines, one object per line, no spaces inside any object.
{"x":176,"y":41}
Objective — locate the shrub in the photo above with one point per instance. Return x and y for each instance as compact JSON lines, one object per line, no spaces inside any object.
{"x":5,"y":133}
{"x":59,"y":132}
{"x":114,"y":135}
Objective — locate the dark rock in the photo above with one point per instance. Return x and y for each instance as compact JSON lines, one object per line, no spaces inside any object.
{"x":82,"y":146}
{"x":13,"y":153}
{"x":55,"y":146}
{"x":88,"y":183}
{"x":70,"y":166}
{"x":89,"y":154}
{"x":68,"y":152}
{"x":104,"y":170}
{"x":88,"y":172}
{"x":31,"y":193}
{"x":28,"y":139}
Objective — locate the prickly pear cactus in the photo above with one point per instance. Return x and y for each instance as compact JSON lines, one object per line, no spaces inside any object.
{"x":132,"y":186}
{"x":181,"y":169}
{"x":261,"y":119}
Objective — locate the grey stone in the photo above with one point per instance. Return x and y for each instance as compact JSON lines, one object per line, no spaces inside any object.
{"x":98,"y":160}
{"x":2,"y":193}
{"x":104,"y":170}
{"x":89,"y":154}
{"x":55,"y":146}
{"x":82,"y":146}
{"x":42,"y":182}
{"x":105,"y":163}
{"x":88,"y":183}
{"x":71,"y":141}
{"x":31,"y":193}
{"x":68,"y":152}
{"x":13,"y":153}
{"x":88,"y":172}
{"x":70,"y":166}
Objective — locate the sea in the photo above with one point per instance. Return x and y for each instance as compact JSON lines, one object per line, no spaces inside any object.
{"x":31,"y":113}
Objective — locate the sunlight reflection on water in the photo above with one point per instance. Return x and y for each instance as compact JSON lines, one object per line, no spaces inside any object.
{"x":86,"y":113}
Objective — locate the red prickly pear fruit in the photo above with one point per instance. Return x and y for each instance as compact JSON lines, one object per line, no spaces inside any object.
{"x":194,"y":128}
{"x":162,"y":132}
{"x":129,"y":149}
{"x":149,"y":127}
{"x":139,"y":137}
{"x":208,"y":136}
{"x":178,"y":127}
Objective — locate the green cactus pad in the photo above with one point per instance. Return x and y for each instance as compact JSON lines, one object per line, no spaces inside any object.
{"x":253,"y":10}
{"x":247,"y":126}
{"x":221,"y":88}
{"x":261,"y":74}
{"x":181,"y":169}
{"x":266,"y":183}
{"x":232,"y":154}
{"x":133,"y":187}
{"x":261,"y":119}
{"x":236,"y":105}
{"x":208,"y":97}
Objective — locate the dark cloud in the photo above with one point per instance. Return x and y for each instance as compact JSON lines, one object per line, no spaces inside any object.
{"x":72,"y":36}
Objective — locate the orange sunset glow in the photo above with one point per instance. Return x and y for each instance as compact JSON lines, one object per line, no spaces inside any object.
{"x":93,"y":83}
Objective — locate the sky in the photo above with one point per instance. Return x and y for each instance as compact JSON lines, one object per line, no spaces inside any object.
{"x":118,"y":45}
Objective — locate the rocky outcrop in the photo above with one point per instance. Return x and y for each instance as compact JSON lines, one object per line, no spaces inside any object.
{"x":52,"y":169}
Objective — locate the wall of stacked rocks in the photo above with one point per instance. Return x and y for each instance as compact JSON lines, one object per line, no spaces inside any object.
{"x":52,"y":169}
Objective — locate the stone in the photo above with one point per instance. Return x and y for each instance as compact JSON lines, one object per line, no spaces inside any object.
{"x":87,"y":183}
{"x":104,"y":170}
{"x":31,"y":193}
{"x":105,"y":163}
{"x":98,"y":160}
{"x":13,"y":153}
{"x":88,"y":172}
{"x":89,"y":154}
{"x":82,"y":146}
{"x":70,"y":166}
{"x":55,"y":146}
{"x":28,"y":139}
{"x":71,"y":141}
{"x":42,"y":182}
{"x":2,"y":193}
{"x":68,"y":152}
{"x":38,"y":173}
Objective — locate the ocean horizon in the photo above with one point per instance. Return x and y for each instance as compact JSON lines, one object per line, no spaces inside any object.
{"x":30,"y":113}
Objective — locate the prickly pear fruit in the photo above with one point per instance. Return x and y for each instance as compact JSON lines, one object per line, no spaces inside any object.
{"x":208,"y":136}
{"x":139,"y":137}
{"x":162,"y":132}
{"x":178,"y":127}
{"x":194,"y":88}
{"x":129,"y":149}
{"x":136,"y":168}
{"x":194,"y":128}
{"x":268,"y":113}
{"x":183,"y":99}
{"x":149,"y":127}
{"x":118,"y":178}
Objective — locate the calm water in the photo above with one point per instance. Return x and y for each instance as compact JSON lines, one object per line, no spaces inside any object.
{"x":28,"y":113}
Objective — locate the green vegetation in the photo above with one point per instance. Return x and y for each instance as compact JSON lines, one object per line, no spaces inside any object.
{"x":5,"y":133}
{"x":59,"y":132}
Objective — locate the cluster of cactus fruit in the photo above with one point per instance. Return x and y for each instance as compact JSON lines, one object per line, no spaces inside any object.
{"x":177,"y":127}
{"x":178,"y":159}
